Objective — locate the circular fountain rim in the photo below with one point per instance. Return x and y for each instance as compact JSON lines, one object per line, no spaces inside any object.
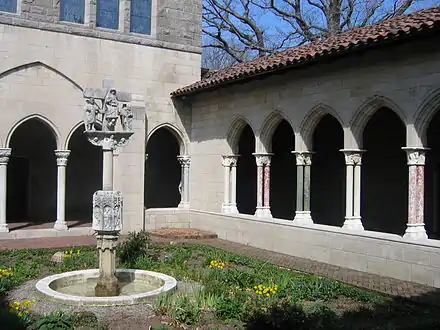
{"x":43,"y":286}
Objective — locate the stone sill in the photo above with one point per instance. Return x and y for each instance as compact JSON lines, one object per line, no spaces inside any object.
{"x":82,"y":30}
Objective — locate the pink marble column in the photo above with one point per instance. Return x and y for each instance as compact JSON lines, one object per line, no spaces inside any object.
{"x":416,"y":161}
{"x":263,"y":185}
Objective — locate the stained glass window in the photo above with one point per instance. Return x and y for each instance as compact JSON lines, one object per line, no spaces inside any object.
{"x":107,"y":15}
{"x":72,"y":11}
{"x":9,"y":6}
{"x":140,"y":16}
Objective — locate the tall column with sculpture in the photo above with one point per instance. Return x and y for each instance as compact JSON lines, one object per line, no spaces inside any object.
{"x":103,"y":110}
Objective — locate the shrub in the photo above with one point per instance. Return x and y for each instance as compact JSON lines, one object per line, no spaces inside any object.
{"x":56,"y":320}
{"x":135,"y":246}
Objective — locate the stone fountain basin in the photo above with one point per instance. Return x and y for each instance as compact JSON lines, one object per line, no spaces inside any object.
{"x":77,"y":287}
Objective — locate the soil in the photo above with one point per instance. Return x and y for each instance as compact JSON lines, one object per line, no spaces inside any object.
{"x":182,"y":233}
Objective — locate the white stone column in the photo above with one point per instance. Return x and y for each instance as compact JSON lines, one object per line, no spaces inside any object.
{"x":416,"y":167}
{"x":62,"y":156}
{"x":263,"y":185}
{"x":353,"y":162}
{"x":303,"y":214}
{"x":185,"y":162}
{"x":229,"y":163}
{"x":4,"y":159}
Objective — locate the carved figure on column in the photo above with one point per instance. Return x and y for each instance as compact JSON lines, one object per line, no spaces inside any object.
{"x":303,"y":158}
{"x":91,"y":110}
{"x":126,"y":116}
{"x":354,"y":158}
{"x":416,"y":157}
{"x":107,"y":211}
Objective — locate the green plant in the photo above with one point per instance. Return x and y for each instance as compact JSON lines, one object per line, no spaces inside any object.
{"x":135,"y":246}
{"x":56,"y":320}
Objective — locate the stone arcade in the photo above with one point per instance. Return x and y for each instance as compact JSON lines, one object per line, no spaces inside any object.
{"x":332,"y":154}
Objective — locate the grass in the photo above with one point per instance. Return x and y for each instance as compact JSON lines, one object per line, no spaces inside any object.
{"x":237,"y":291}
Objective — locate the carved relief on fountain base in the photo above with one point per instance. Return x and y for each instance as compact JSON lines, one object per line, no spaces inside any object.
{"x":107,"y":211}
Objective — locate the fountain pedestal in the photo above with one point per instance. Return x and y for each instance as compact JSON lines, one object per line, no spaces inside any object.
{"x":107,"y":285}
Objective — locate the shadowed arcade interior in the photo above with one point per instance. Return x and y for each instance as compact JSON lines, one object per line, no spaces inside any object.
{"x":162,"y":170}
{"x":246,"y":173}
{"x":432,"y":179}
{"x":283,"y":173}
{"x":384,"y":174}
{"x":328,"y":173}
{"x":83,"y":177}
{"x":32,"y":174}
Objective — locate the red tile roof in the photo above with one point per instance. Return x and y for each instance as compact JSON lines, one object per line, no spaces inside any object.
{"x":393,"y":29}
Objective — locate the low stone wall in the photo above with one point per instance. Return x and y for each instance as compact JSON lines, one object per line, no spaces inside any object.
{"x":166,"y":218}
{"x":378,"y":253}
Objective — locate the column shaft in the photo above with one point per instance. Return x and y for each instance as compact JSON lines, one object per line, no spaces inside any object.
{"x":303,"y":165}
{"x":307,"y":177}
{"x":4,"y":158}
{"x":107,"y":166}
{"x":233,"y":204}
{"x":259,"y":187}
{"x":416,"y":161}
{"x":185,"y":161}
{"x":349,"y":191}
{"x":299,"y":188}
{"x":226,"y":170}
{"x":357,"y":192}
{"x":62,"y":156}
{"x":263,"y":185}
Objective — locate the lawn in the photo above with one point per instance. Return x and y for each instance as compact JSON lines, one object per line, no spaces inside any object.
{"x":230,"y":291}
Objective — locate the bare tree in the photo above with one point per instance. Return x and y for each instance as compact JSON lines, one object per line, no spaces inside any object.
{"x":243,"y":28}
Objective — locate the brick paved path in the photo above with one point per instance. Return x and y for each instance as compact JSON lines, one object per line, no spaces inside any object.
{"x":413,"y":291}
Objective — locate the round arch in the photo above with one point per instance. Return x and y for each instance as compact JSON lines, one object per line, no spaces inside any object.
{"x":234,"y":132}
{"x":269,"y":126}
{"x":367,"y":110}
{"x":183,"y":143}
{"x":424,"y":114}
{"x":311,"y":120}
{"x":69,"y":136}
{"x":41,"y":118}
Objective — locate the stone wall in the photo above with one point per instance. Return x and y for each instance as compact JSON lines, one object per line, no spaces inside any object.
{"x":376,"y":253}
{"x":46,"y":66}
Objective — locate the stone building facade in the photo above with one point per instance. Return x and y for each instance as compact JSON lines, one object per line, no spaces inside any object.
{"x":51,"y":51}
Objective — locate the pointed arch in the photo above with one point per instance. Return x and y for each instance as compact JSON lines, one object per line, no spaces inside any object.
{"x":425,"y":112}
{"x":367,"y":109}
{"x":183,"y":143}
{"x":41,"y":118}
{"x":312,"y":119}
{"x":69,"y":136}
{"x":234,"y":132}
{"x":41,"y":64}
{"x":268,"y":128}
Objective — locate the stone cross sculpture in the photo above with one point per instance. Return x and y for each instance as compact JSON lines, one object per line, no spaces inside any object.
{"x":102,"y":110}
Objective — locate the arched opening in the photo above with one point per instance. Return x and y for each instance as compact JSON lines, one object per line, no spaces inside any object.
{"x":162,"y":170}
{"x":83,"y":177}
{"x":246,"y":173}
{"x":283,"y":173}
{"x":328,"y":173}
{"x":432,"y":179}
{"x":32,"y":175}
{"x":384,"y":174}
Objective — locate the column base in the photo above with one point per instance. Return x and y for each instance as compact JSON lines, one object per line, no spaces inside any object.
{"x":263,"y":212}
{"x":415,"y":231}
{"x":183,"y":205}
{"x":4,"y":228}
{"x":353,"y":223}
{"x":229,"y":208}
{"x":303,"y":218}
{"x":60,"y":226}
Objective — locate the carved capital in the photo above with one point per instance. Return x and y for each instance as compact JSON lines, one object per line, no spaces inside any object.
{"x":108,"y":140}
{"x":62,"y":157}
{"x":303,"y":158}
{"x":5,"y":153}
{"x":107,"y":211}
{"x":353,"y":156}
{"x":107,"y":242}
{"x":184,"y":161}
{"x":229,"y":160}
{"x":415,"y":156}
{"x":263,"y":159}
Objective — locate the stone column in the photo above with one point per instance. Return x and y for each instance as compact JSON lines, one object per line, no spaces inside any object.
{"x":353,"y":162}
{"x":303,"y":165}
{"x":263,"y":185}
{"x":4,"y":159}
{"x":229,"y":163}
{"x":185,"y":162}
{"x":62,"y":156}
{"x":416,"y":161}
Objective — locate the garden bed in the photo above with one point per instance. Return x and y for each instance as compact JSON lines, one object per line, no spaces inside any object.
{"x":222,"y":290}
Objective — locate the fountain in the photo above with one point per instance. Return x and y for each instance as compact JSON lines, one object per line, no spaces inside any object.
{"x":106,"y":285}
